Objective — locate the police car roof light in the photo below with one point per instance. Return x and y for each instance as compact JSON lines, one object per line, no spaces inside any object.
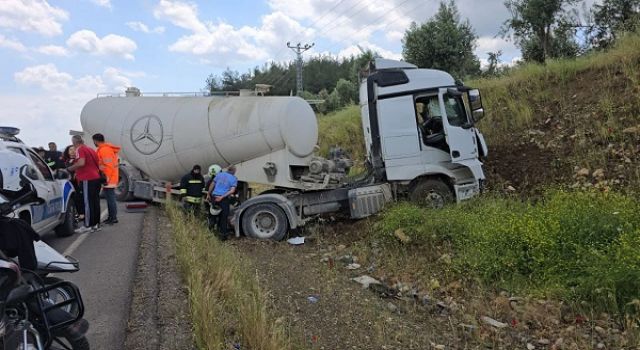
{"x":9,"y":131}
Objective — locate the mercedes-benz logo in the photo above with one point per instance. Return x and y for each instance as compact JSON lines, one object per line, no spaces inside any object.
{"x":146,"y":134}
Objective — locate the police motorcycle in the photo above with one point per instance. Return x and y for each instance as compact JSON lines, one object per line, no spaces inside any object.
{"x":36,"y":311}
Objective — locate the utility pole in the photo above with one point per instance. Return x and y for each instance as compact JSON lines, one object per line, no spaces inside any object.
{"x":299,"y":49}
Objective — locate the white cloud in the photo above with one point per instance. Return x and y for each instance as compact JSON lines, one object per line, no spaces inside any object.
{"x":55,"y":101}
{"x":116,"y":45}
{"x":180,"y":14}
{"x":141,"y":27}
{"x":218,"y":43}
{"x":53,"y":50}
{"x":355,"y":50}
{"x":102,"y":3}
{"x":45,"y":76}
{"x":32,"y":16}
{"x":11,"y":44}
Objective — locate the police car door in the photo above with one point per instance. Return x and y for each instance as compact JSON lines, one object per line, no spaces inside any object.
{"x":45,"y":216}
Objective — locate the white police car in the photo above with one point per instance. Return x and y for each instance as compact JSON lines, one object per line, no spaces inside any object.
{"x":56,"y":210}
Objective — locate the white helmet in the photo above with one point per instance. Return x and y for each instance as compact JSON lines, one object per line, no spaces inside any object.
{"x":214,"y":169}
{"x":214,"y":209}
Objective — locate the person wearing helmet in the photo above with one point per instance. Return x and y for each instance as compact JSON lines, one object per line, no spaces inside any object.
{"x":224,"y":185}
{"x":212,"y":209}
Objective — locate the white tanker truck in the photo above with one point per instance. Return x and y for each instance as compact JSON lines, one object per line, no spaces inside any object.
{"x":419,"y":129}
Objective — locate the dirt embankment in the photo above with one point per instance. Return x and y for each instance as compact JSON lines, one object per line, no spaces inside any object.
{"x":159,"y":316}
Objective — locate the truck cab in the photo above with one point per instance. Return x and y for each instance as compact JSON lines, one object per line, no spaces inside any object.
{"x":420,"y":133}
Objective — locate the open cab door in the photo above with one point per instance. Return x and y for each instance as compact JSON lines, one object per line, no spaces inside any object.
{"x":458,"y":128}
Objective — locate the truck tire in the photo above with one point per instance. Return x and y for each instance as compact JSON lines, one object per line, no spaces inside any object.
{"x":431,"y":193}
{"x":68,"y":226}
{"x":123,"y":192}
{"x":265,"y":221}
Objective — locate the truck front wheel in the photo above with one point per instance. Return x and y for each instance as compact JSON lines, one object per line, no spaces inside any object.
{"x":265,"y":221}
{"x":123,"y":192}
{"x":431,"y":193}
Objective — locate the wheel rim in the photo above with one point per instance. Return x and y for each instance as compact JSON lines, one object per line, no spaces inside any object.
{"x":265,"y":224}
{"x":434,"y":200}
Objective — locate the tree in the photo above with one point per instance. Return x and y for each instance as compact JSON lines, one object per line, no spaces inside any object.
{"x":493,"y":68}
{"x":541,"y":28}
{"x":614,"y":17}
{"x":443,"y":42}
{"x":347,"y":92}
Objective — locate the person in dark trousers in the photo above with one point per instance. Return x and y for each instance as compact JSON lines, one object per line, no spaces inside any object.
{"x":108,"y":157}
{"x":68,"y":157}
{"x":224,"y":185}
{"x":53,"y":157}
{"x":191,"y":188}
{"x":88,"y":175}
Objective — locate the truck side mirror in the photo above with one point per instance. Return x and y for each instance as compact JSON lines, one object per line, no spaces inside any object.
{"x":475,"y":100}
{"x":475,"y":103}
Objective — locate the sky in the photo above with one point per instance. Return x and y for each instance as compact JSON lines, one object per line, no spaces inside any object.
{"x":56,"y":55}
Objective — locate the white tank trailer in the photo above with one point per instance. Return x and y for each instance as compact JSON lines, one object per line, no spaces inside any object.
{"x":271,"y":141}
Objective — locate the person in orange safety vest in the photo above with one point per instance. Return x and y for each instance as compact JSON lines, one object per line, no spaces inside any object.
{"x":108,"y":161}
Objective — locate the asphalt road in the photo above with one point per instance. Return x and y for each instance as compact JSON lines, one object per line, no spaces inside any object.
{"x":108,"y":260}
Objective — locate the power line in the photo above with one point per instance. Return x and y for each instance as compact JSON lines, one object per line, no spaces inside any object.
{"x":377,"y":19}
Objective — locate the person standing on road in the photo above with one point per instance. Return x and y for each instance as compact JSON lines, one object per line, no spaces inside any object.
{"x":108,"y":161}
{"x":68,"y":157}
{"x":53,"y":157}
{"x":191,"y":187}
{"x":88,"y":175}
{"x":224,"y":185}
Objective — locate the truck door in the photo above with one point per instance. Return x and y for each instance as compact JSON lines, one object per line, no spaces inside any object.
{"x":460,"y":134}
{"x":398,"y":127}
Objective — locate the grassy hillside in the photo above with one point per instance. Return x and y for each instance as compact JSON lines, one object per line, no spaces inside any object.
{"x":342,"y":128}
{"x":572,"y":122}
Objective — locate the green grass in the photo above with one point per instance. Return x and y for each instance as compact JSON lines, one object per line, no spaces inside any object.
{"x":228,"y":306}
{"x":576,"y":246}
{"x":342,"y":128}
{"x":530,"y":94}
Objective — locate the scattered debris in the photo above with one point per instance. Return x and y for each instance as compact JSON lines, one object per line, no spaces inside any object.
{"x":312,"y":299}
{"x":353,"y":266}
{"x":399,"y":233}
{"x":598,"y":174}
{"x":584,"y":172}
{"x":383,"y":290}
{"x":296,"y":240}
{"x":347,"y":259}
{"x":366,"y":281}
{"x":494,"y":323}
{"x":544,"y":341}
{"x":530,"y":346}
{"x":511,"y":188}
{"x":392,"y":307}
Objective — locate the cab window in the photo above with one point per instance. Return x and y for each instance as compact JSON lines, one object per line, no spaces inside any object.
{"x":42,"y":166}
{"x":455,"y":110}
{"x":16,"y":150}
